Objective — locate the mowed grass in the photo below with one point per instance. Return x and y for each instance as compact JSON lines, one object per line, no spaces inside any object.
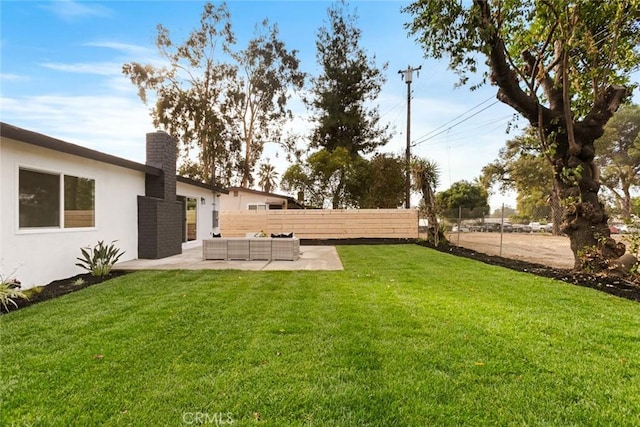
{"x":404,"y":336}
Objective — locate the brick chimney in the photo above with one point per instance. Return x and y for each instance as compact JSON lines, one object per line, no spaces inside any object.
{"x":161,"y":154}
{"x":159,"y":213}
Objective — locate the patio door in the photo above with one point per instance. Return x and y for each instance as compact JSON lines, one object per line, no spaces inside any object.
{"x":189,"y":218}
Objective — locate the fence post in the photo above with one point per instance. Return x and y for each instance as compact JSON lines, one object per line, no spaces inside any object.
{"x":459,"y":222}
{"x":501,"y":227}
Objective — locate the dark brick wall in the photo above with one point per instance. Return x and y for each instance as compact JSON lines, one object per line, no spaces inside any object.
{"x":159,"y":228}
{"x":159,"y":214}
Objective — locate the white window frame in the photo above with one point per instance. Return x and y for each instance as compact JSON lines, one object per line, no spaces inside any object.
{"x":258,"y":207}
{"x":60,"y":228}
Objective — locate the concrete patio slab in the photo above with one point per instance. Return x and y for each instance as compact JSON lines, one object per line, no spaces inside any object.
{"x":311,"y":258}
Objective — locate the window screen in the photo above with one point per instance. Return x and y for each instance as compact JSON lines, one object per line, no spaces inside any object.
{"x":39,"y":199}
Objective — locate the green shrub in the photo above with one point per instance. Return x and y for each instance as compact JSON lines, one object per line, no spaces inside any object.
{"x":9,"y":292}
{"x":100,"y":259}
{"x":31,"y":292}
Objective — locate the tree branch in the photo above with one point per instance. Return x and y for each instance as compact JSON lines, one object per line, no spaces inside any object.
{"x":502,"y":75}
{"x":546,"y":82}
{"x":604,"y":107}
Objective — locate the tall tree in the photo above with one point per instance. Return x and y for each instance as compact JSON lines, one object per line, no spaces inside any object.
{"x":619,"y":157}
{"x":426,"y":175}
{"x":349,"y":81}
{"x":322,"y":178}
{"x":336,"y":179}
{"x":522,"y":166}
{"x":191,"y":91}
{"x":563,"y":65}
{"x":377,"y":183}
{"x":225,"y":104}
{"x":268,"y":74}
{"x":471,"y":197}
{"x":267,"y":176}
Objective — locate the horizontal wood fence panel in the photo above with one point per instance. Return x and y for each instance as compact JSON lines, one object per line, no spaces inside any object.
{"x":323,"y":224}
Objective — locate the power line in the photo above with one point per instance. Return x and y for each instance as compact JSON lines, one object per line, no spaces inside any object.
{"x":425,"y":139}
{"x":455,"y":118}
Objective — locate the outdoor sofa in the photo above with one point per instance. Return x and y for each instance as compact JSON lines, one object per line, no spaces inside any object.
{"x":274,"y":248}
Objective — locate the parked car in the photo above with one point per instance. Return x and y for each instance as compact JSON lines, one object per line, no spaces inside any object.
{"x":521,"y":228}
{"x":548,"y":227}
{"x":491,"y":227}
{"x":535,"y":227}
{"x":462,"y":229}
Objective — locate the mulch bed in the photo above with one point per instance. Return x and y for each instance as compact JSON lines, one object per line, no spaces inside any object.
{"x":611,"y":285}
{"x":61,"y":287}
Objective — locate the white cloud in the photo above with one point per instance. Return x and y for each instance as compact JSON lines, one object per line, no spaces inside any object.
{"x":70,"y":10}
{"x":98,"y":68}
{"x":126,"y":48}
{"x":110,"y":124}
{"x":13,"y":77}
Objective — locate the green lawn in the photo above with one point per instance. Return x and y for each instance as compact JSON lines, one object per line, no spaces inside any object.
{"x":404,"y":336}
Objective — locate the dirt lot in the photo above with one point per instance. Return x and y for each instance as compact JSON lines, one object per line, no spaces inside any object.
{"x":541,"y":248}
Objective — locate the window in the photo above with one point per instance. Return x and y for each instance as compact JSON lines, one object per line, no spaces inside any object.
{"x":257,"y":207}
{"x":39,"y":199}
{"x":79,"y":204}
{"x":40,"y":196}
{"x":192,"y":215}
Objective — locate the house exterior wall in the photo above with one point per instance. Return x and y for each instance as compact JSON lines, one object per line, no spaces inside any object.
{"x":241,"y":201}
{"x":204,"y":212}
{"x":38,"y":256}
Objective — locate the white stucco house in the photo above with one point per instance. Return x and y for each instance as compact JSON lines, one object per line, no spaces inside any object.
{"x":56,"y":197}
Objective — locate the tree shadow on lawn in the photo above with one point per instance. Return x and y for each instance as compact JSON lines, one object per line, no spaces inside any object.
{"x":611,"y":285}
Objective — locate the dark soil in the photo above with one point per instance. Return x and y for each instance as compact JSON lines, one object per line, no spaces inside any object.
{"x":609,"y":284}
{"x":58,"y":288}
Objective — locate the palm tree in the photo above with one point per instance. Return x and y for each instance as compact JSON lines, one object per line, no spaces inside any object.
{"x":426,"y":174}
{"x":267,"y":175}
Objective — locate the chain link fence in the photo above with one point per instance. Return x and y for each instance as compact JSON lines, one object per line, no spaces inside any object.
{"x":533,"y":238}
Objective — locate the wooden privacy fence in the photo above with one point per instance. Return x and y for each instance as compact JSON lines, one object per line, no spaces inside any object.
{"x":323,"y":224}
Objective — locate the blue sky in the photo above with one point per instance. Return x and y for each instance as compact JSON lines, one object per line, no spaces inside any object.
{"x":61,"y":61}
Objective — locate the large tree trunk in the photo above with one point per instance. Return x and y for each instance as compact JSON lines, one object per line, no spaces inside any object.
{"x":584,"y":219}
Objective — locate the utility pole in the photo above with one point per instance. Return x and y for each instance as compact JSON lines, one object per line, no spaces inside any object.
{"x":407,"y":76}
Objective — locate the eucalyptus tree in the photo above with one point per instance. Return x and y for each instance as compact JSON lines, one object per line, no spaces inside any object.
{"x":268,"y":74}
{"x":221,"y":102}
{"x":191,"y":101}
{"x":563,"y":65}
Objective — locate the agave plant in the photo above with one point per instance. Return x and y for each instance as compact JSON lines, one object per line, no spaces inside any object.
{"x":100,"y":259}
